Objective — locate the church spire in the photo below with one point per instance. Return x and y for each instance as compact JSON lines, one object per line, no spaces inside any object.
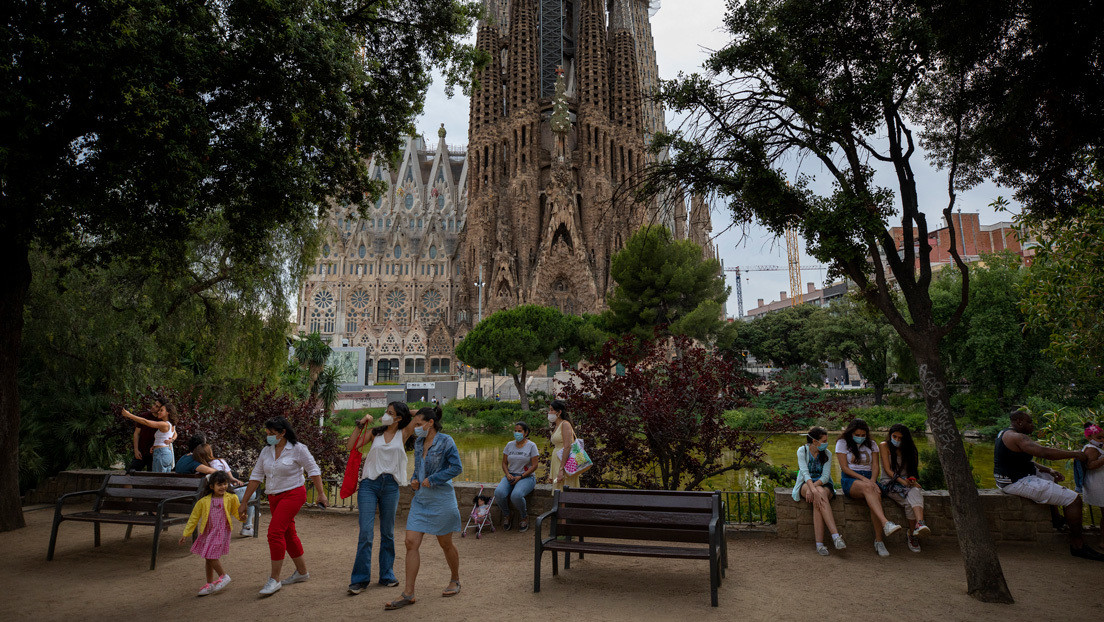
{"x":523,"y":74}
{"x":592,"y":74}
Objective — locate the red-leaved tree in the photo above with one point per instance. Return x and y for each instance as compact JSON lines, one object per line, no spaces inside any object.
{"x":661,"y":424}
{"x":237,"y":433}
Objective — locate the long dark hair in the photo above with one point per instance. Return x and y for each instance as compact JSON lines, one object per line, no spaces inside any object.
{"x":907,"y":452}
{"x":403,"y":411}
{"x":218,"y":477}
{"x":279,"y":424}
{"x":431,"y":413}
{"x":560,"y":407}
{"x":174,"y":414}
{"x":857,"y":424}
{"x":814,"y":436}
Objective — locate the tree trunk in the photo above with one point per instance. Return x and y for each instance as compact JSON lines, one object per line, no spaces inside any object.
{"x":879,"y":392}
{"x":984,"y":576}
{"x":14,"y":283}
{"x":520,"y":384}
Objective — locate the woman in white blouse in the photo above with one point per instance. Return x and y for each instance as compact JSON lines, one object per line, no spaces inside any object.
{"x":384,"y":470}
{"x":281,"y":467}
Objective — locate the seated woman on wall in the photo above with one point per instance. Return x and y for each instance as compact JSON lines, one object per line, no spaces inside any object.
{"x":814,"y":484}
{"x":858,"y":476}
{"x":900,"y":470}
{"x":519,"y":463}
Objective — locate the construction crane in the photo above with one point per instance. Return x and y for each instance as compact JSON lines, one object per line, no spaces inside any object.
{"x":738,"y":271}
{"x":793,"y":253}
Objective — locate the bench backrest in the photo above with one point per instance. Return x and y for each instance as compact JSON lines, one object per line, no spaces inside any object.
{"x":662,"y":515}
{"x":142,"y":492}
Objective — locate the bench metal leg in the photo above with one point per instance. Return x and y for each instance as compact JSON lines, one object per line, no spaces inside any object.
{"x":538,"y":552}
{"x":156,"y":541}
{"x":567,"y":560}
{"x":714,"y":577}
{"x":555,"y":563}
{"x":127,"y":536}
{"x":53,"y":537}
{"x":580,"y":552}
{"x":96,"y":530}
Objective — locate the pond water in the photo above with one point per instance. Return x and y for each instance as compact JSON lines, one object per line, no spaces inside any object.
{"x":481,"y":455}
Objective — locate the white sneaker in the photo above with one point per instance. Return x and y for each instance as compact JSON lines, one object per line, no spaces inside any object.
{"x":295,"y":578}
{"x":206,"y":589}
{"x":247,"y":532}
{"x":921,"y":529}
{"x":821,"y":549}
{"x":880,"y":547}
{"x":891,"y":528}
{"x":271,"y":587}
{"x":837,"y":540}
{"x":222,"y":582}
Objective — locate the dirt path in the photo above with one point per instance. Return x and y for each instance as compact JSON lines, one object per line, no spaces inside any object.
{"x":768,"y":580}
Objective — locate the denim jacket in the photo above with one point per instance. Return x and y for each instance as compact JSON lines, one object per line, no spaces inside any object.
{"x":803,"y":474}
{"x":441,"y":464}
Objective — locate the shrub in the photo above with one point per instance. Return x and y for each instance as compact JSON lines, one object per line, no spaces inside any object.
{"x":977,"y":408}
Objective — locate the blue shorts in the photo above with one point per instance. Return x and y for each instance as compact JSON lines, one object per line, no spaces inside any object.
{"x":846,"y":481}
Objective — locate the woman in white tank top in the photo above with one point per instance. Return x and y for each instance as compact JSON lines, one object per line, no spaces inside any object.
{"x":163,"y":437}
{"x":383,"y":471}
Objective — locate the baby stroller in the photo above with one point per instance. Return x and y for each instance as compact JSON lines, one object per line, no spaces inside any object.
{"x":480,"y":514}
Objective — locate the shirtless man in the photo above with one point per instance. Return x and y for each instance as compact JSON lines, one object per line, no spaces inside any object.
{"x":1017,"y":474}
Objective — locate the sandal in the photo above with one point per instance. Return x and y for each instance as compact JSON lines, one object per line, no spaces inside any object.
{"x":450,"y":591}
{"x":399,"y":604}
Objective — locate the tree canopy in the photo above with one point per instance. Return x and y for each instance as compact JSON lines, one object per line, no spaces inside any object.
{"x":518,"y":340}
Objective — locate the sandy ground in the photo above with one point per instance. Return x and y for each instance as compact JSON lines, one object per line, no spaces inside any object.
{"x":768,"y":580}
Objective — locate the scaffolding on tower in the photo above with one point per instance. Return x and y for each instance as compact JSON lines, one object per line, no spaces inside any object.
{"x":793,"y":252}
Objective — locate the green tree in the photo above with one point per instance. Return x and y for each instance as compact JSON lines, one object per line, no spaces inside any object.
{"x":665,"y":284}
{"x":837,"y":82}
{"x":782,"y":337}
{"x":1063,"y":296}
{"x":312,"y":352}
{"x":135,"y":129}
{"x":849,"y":330}
{"x":518,"y":340}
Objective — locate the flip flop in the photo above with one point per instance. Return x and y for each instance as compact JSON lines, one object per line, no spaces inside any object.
{"x":399,"y":604}
{"x":451,"y":591}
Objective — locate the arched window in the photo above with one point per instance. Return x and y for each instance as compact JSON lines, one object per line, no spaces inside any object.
{"x":362,"y":251}
{"x":433,"y":252}
{"x":398,"y":251}
{"x":323,"y":312}
{"x":409,"y":201}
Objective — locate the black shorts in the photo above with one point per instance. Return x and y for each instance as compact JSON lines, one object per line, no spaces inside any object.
{"x":141,"y":464}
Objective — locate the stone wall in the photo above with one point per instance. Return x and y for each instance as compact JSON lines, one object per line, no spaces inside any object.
{"x":1010,"y":518}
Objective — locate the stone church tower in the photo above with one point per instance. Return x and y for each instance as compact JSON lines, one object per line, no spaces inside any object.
{"x":555,"y":129}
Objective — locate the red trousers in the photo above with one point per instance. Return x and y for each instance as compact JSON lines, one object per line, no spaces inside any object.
{"x":281,"y":529}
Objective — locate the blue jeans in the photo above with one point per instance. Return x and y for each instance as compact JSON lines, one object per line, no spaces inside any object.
{"x":384,"y":493}
{"x":163,"y":460}
{"x":240,"y":491}
{"x":516,"y":492}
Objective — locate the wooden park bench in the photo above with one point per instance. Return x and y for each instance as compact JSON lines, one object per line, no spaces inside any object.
{"x":645,"y":516}
{"x":155,"y":500}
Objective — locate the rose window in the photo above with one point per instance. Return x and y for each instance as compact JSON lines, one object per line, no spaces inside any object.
{"x":396,"y":298}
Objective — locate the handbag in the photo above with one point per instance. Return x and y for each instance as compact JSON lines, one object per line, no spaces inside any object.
{"x":578,"y":461}
{"x":351,"y":480}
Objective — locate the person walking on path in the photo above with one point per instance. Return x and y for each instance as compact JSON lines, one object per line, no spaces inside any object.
{"x":814,"y":484}
{"x":899,"y":480}
{"x":519,"y":463}
{"x":1094,"y":469}
{"x":213,"y":514}
{"x":164,"y":433}
{"x":383,"y":471}
{"x":563,"y":435}
{"x":280,"y":466}
{"x":1017,"y":474}
{"x":859,"y":468}
{"x":207,"y":463}
{"x":434,"y":509}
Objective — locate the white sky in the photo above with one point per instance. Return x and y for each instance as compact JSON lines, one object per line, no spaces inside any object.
{"x":685,"y":31}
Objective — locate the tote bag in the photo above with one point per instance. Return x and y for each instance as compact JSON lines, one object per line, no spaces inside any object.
{"x":577,"y":461}
{"x":352,"y":474}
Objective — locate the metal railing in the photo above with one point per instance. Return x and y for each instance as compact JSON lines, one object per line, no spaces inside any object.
{"x":749,"y":507}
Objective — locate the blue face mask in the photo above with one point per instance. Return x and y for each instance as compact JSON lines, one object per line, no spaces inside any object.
{"x":859,"y":440}
{"x":895,"y":442}
{"x":420,"y":432}
{"x":518,"y":436}
{"x":822,"y":446}
{"x":271,"y":439}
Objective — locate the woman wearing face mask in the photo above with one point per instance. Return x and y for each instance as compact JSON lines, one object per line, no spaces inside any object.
{"x":383,"y":470}
{"x":519,"y":463}
{"x":859,"y":474}
{"x":281,"y":467}
{"x":563,"y":435}
{"x":1093,"y":486}
{"x":814,"y":484}
{"x":433,"y":510}
{"x":900,"y":468}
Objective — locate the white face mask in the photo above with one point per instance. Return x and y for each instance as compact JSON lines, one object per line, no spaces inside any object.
{"x":387,"y":419}
{"x":552,"y":418}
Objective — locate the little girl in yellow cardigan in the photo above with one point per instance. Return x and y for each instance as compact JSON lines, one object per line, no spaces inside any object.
{"x":213,"y":514}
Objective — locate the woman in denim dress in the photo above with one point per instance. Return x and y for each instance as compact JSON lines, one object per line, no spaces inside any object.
{"x":434,"y":509}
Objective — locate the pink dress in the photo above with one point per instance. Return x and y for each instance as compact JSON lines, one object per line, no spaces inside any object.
{"x":214,"y":542}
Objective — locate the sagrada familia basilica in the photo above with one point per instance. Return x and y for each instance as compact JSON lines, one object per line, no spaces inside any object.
{"x":528,"y":213}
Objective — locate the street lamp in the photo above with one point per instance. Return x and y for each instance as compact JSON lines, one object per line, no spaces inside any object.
{"x":479,"y":372}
